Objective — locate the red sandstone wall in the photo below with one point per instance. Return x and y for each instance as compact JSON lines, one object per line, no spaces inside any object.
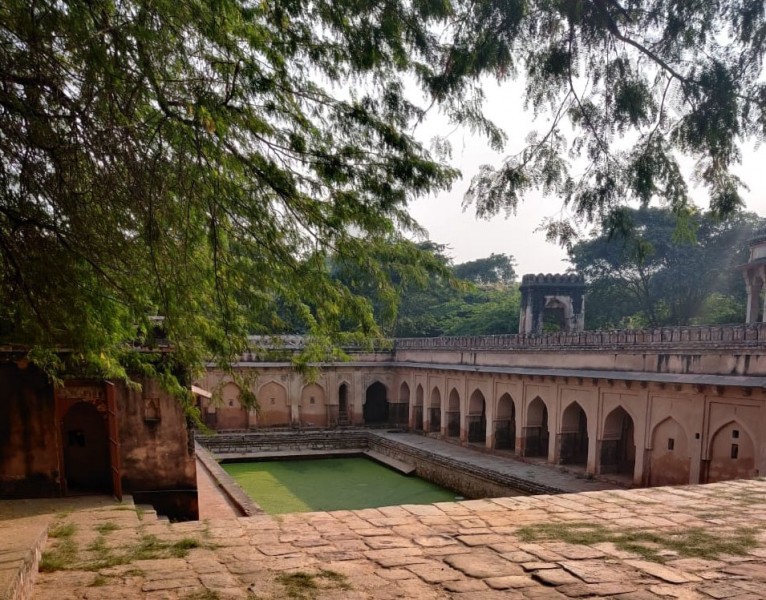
{"x":28,"y":456}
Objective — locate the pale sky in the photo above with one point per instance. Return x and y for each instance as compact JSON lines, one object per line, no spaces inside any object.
{"x":469,"y":238}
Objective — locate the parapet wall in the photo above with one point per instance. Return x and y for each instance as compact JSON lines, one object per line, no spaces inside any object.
{"x":702,"y":337}
{"x":711,"y":350}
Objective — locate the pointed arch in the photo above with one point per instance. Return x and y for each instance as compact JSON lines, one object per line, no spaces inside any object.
{"x":670,"y":459}
{"x":573,"y":436}
{"x":313,"y":406}
{"x":274,"y":407}
{"x":418,"y":410}
{"x":476,"y":419}
{"x":505,"y":423}
{"x":618,"y":443}
{"x":536,"y":434}
{"x":376,"y":403}
{"x":344,"y":403}
{"x":453,"y":413}
{"x":435,"y":411}
{"x":731,"y":453}
{"x":230,"y":414}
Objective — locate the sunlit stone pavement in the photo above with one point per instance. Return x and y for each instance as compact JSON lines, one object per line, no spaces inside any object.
{"x":686,"y":542}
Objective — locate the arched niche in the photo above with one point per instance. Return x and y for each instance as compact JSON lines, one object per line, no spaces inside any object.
{"x":231,"y":414}
{"x":274,"y":408}
{"x":731,"y":454}
{"x":313,"y":409}
{"x":670,"y":459}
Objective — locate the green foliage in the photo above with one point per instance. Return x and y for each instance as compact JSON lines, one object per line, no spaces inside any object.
{"x":642,"y":272}
{"x":628,"y":88}
{"x":205,"y":162}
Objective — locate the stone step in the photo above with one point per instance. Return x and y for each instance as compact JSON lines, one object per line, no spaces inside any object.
{"x":397,"y":465}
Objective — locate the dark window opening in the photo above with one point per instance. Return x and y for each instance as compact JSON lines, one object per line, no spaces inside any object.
{"x":735,"y":434}
{"x":734,"y":450}
{"x":671,"y":444}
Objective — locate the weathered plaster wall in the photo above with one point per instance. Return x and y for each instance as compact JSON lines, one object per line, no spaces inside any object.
{"x":28,"y":456}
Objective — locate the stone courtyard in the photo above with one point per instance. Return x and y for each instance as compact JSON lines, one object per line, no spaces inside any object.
{"x":671,"y":542}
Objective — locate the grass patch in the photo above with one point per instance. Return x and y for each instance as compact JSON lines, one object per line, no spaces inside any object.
{"x":302,"y":586}
{"x":62,"y":530}
{"x":693,"y":542}
{"x":202,"y":595}
{"x":99,"y":580}
{"x":108,"y":527}
{"x":62,"y":556}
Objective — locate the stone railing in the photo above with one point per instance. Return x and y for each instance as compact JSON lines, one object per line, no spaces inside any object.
{"x":702,"y":336}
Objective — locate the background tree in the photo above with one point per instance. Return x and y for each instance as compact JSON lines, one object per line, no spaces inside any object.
{"x":640,"y":274}
{"x":495,"y":269}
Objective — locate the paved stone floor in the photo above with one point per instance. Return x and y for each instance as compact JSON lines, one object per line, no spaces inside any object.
{"x":691,"y":543}
{"x":213,"y":504}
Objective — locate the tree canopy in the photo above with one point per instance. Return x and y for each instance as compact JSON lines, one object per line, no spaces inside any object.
{"x":201,"y":160}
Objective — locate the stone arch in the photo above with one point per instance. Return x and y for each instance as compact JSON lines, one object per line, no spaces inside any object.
{"x":418,"y":411}
{"x":453,"y":413}
{"x":344,"y":403}
{"x":435,"y":411}
{"x":618,"y":443}
{"x":231,"y":414}
{"x":399,"y":411}
{"x":313,"y":405}
{"x":536,"y":434}
{"x":731,"y":453}
{"x":505,"y":423}
{"x":274,"y":407}
{"x":573,"y":436}
{"x":376,"y":404}
{"x":87,"y":467}
{"x":670,"y":459}
{"x":476,"y":420}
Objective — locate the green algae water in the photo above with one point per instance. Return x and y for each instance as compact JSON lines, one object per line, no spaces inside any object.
{"x":330,"y":484}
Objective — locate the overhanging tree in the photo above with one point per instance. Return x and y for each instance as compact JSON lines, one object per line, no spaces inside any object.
{"x":629,"y":86}
{"x":201,"y":160}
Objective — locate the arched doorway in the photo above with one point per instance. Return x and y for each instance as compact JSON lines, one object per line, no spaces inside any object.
{"x":435,"y":411}
{"x":417,"y":413}
{"x":476,"y":420}
{"x":731,"y":454}
{"x":344,"y":414}
{"x":87,"y":466}
{"x":618,"y":446}
{"x":536,"y":432}
{"x":453,"y":414}
{"x":670,"y":460}
{"x":573,"y":439}
{"x":376,"y":404}
{"x":505,"y":424}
